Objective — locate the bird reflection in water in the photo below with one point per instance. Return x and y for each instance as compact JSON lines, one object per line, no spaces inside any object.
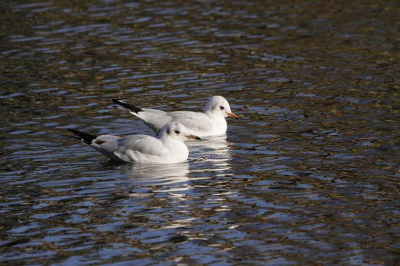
{"x":214,"y":152}
{"x":201,"y":183}
{"x":161,"y":178}
{"x":211,"y":155}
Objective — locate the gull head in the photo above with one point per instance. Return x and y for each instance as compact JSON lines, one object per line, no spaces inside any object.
{"x":176,"y":131}
{"x":219,"y":106}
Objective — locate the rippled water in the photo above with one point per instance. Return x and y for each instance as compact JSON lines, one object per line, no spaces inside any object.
{"x":309,"y":175}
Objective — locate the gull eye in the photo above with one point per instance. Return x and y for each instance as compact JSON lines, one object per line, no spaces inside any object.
{"x":177,"y":131}
{"x":221,"y":107}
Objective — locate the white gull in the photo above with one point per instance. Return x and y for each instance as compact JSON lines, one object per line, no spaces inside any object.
{"x":168,"y":147}
{"x":210,"y":122}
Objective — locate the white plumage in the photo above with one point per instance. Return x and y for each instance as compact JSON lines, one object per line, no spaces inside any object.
{"x":210,"y":122}
{"x":168,"y":147}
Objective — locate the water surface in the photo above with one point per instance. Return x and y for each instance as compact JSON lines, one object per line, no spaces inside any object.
{"x":309,"y":175}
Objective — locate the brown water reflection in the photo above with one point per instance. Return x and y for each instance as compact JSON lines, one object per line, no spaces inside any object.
{"x":309,"y":175}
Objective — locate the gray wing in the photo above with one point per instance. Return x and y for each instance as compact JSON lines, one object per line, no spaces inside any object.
{"x":124,"y":148}
{"x":146,"y":145}
{"x":194,"y":121}
{"x":155,"y":119}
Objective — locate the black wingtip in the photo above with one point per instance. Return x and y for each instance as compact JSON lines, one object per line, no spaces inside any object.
{"x":128,"y":106}
{"x":88,"y":138}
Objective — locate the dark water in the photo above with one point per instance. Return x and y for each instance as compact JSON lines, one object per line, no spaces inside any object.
{"x":309,"y":175}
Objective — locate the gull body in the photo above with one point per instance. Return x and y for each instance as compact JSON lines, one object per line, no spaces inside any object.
{"x":168,"y":147}
{"x":210,"y":122}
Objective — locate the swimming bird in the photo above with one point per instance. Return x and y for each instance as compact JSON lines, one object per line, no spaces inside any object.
{"x":168,"y":147}
{"x":210,"y":122}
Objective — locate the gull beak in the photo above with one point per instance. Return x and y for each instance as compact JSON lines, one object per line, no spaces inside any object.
{"x":233,"y":115}
{"x":193,"y":137}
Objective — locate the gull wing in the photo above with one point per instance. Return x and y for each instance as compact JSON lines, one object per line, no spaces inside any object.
{"x":130,"y":148}
{"x":153,"y":118}
{"x":194,"y":121}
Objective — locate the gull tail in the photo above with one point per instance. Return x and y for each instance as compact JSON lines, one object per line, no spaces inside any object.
{"x":87,"y":138}
{"x":128,"y":106}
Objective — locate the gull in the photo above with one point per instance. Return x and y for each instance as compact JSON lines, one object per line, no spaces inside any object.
{"x":210,"y":122}
{"x":167,"y":148}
